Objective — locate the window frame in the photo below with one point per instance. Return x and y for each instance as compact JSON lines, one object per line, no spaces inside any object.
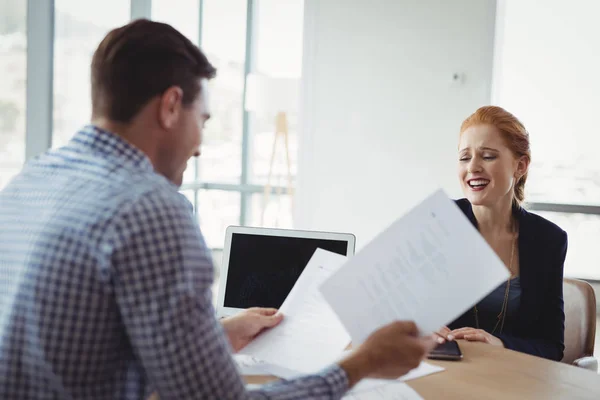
{"x":40,"y":92}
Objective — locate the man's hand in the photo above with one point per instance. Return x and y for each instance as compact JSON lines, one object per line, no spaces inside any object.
{"x":388,"y":353}
{"x":475,"y":335}
{"x":242,"y":328}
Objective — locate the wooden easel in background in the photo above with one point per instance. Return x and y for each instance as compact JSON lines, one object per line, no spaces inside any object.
{"x":281,"y":130}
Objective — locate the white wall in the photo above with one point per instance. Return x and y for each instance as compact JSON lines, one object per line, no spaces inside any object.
{"x":381,"y":112}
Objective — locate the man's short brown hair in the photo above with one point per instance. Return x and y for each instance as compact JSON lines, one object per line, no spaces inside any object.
{"x":139,"y":61}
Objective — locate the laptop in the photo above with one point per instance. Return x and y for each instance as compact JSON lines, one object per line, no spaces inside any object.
{"x":261,"y":265}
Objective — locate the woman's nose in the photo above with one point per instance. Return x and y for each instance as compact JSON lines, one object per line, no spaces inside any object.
{"x":474,"y":166}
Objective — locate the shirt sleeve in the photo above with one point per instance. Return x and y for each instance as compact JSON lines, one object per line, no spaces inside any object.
{"x":162,"y":275}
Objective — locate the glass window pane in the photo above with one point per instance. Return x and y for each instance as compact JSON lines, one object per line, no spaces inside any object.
{"x":13,"y":70}
{"x":267,"y":146}
{"x":217,"y":210}
{"x":582,"y":254}
{"x":547,"y":75}
{"x":278,"y":54}
{"x":224,"y":41}
{"x":276,"y":212}
{"x":190,"y":195}
{"x":279,"y":26}
{"x":79,"y":28}
{"x":189,"y":175}
{"x":185,"y":17}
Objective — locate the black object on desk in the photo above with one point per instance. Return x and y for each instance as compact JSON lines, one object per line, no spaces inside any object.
{"x":446,"y":351}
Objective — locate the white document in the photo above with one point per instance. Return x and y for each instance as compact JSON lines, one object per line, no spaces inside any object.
{"x":429,"y":267}
{"x":422,"y":370}
{"x":310,"y":335}
{"x":249,"y":366}
{"x":393,"y":391}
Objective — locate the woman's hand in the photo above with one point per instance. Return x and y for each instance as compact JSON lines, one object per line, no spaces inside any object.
{"x":442,"y":335}
{"x":475,"y":335}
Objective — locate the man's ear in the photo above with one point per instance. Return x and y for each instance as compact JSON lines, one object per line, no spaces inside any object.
{"x":169,"y":107}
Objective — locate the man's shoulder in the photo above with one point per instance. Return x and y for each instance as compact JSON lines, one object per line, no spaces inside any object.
{"x":159,"y":199}
{"x":154,"y":207}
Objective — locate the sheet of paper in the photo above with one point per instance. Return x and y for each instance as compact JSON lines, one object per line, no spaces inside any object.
{"x":310,"y":335}
{"x":429,"y":266}
{"x":393,"y":391}
{"x":249,"y":366}
{"x":422,"y":370}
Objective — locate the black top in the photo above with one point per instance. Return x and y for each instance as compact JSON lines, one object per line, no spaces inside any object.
{"x":539,"y":323}
{"x":489,"y":308}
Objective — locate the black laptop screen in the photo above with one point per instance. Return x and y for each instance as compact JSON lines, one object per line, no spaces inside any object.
{"x":263,"y":269}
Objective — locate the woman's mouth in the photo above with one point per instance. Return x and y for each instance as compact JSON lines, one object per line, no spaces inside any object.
{"x":478,"y":184}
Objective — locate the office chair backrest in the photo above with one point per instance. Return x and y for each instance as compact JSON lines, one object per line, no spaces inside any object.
{"x":580,"y":319}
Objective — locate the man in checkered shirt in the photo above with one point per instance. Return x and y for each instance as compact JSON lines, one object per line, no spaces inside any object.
{"x":104,"y":275}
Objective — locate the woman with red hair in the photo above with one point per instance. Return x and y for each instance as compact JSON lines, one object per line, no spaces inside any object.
{"x":526,"y":312}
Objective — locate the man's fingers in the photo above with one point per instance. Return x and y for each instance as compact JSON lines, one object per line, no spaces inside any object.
{"x":429,"y":343}
{"x":405,"y":327}
{"x":270,"y":321}
{"x":264,"y":311}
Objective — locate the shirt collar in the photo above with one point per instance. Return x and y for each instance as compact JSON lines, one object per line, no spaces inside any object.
{"x":112,"y":146}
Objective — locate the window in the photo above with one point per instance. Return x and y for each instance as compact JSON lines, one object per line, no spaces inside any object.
{"x":227,"y":183}
{"x":270,"y":211}
{"x":273,"y":158}
{"x":217,"y":209}
{"x":224,"y":41}
{"x":185,"y":17}
{"x":584,"y":232}
{"x":546,"y":73}
{"x":13,"y":69}
{"x":79,"y":28}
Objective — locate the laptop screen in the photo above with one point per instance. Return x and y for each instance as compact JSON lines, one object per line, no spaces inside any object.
{"x":263,"y":269}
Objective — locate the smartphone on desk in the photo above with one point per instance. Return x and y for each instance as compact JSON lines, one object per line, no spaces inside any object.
{"x":446,"y":351}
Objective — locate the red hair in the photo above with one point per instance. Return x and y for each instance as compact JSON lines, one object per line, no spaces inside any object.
{"x":512,"y":130}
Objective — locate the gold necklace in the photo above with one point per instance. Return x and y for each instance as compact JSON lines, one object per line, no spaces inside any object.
{"x":502,"y":316}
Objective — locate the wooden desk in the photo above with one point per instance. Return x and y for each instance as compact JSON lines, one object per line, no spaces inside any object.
{"x":488,"y":372}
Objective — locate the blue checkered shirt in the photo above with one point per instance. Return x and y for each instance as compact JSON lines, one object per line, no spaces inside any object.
{"x":105,"y":286}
